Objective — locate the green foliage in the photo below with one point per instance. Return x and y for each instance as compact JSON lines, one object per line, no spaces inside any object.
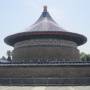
{"x":85,"y":57}
{"x":3,"y":58}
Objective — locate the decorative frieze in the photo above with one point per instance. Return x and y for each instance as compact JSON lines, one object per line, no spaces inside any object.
{"x":45,"y":42}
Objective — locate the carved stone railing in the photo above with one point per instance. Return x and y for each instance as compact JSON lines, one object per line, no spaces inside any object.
{"x":47,"y":62}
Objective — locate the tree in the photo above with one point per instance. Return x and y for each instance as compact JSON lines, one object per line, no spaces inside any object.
{"x":3,"y":58}
{"x":9,"y":53}
{"x":85,"y":57}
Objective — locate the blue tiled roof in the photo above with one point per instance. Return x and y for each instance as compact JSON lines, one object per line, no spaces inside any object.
{"x":45,"y":23}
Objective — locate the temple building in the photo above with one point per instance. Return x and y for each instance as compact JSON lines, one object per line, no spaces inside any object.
{"x":45,"y":40}
{"x":45,"y":54}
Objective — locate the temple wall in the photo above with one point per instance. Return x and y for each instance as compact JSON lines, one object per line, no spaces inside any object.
{"x":38,"y":52}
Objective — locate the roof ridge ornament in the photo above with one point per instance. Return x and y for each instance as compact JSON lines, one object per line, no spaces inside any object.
{"x":45,"y":8}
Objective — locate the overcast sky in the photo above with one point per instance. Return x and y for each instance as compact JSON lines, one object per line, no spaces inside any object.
{"x":17,"y":15}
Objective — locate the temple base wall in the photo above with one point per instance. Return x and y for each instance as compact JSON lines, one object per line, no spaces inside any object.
{"x":44,"y":71}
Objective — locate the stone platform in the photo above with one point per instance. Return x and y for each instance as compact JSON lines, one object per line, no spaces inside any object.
{"x":84,"y":81}
{"x":36,"y":74}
